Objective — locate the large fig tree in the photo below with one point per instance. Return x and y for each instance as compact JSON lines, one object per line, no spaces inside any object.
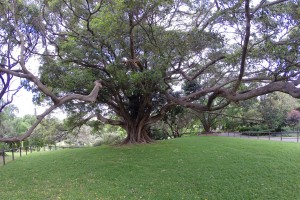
{"x":137,"y":52}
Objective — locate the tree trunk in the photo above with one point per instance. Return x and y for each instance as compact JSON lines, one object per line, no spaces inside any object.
{"x":137,"y":133}
{"x":206,"y":122}
{"x":207,"y":128}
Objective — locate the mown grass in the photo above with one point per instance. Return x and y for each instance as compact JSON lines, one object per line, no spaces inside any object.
{"x":185,"y":168}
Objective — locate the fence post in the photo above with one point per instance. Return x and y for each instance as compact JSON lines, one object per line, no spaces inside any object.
{"x":258,"y":135}
{"x":12,"y":153}
{"x":280,"y":136}
{"x":26,"y":149}
{"x":3,"y":156}
{"x":297,"y":136}
{"x":269,"y":135}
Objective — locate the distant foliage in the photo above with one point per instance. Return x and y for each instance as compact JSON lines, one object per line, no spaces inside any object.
{"x":108,"y":139}
{"x":293,"y":118}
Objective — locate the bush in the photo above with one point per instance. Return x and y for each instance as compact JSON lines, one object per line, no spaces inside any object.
{"x":256,"y":130}
{"x":261,"y":128}
{"x":158,"y":134}
{"x":108,"y":138}
{"x":3,"y":146}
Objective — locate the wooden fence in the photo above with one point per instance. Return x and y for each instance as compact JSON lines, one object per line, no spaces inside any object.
{"x":290,"y":136}
{"x":13,"y":153}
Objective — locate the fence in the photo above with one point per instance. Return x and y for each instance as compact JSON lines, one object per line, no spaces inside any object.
{"x":292,"y":136}
{"x":12,"y":153}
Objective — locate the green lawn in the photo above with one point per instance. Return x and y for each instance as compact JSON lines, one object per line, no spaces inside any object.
{"x":185,"y":168}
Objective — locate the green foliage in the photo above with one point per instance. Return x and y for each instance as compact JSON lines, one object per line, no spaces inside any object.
{"x":48,"y":132}
{"x":255,"y":130}
{"x":293,"y":118}
{"x":108,"y":138}
{"x":229,"y":123}
{"x":274,"y":109}
{"x":158,"y":132}
{"x":11,"y":125}
{"x":3,"y":146}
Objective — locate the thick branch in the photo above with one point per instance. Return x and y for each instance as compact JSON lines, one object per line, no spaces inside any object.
{"x":161,"y":114}
{"x":109,"y":121}
{"x":132,"y":52}
{"x":285,"y":87}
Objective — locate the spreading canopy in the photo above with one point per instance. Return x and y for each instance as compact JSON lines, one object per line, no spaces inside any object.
{"x":139,"y":52}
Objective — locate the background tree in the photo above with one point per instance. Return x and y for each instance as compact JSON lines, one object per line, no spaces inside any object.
{"x":293,"y":118}
{"x":137,"y":51}
{"x":48,"y":132}
{"x":274,"y":109}
{"x":176,"y":122}
{"x":11,"y":125}
{"x":7,"y":116}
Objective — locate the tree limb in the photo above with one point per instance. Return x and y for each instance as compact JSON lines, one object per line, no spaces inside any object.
{"x":201,"y":70}
{"x":109,"y":121}
{"x":245,"y":45}
{"x":264,"y":4}
{"x":281,"y":86}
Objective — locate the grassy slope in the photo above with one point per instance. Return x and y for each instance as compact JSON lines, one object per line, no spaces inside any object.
{"x":186,"y":168}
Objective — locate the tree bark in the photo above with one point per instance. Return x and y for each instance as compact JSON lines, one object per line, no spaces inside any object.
{"x":137,"y":133}
{"x":207,"y":127}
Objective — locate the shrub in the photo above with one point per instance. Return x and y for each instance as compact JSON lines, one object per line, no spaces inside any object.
{"x":108,"y":138}
{"x":158,"y":134}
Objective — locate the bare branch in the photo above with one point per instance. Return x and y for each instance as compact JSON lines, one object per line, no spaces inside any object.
{"x":201,"y":70}
{"x":263,"y":4}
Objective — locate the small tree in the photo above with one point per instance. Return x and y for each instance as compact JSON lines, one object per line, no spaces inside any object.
{"x":177,"y":121}
{"x":293,"y":118}
{"x":274,"y":108}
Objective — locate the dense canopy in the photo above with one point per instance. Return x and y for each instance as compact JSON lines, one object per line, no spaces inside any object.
{"x":127,"y":63}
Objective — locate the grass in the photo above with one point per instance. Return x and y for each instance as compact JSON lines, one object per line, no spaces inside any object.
{"x":185,"y":168}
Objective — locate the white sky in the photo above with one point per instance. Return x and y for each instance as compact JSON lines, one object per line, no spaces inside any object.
{"x":23,"y":99}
